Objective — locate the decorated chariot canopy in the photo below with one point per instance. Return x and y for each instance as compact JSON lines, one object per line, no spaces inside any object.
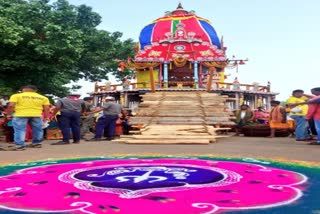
{"x":180,"y":36}
{"x":182,"y":52}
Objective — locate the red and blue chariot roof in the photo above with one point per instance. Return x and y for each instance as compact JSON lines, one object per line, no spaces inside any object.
{"x":179,"y":34}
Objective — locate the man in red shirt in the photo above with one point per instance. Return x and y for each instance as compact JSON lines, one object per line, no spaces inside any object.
{"x":314,"y":113}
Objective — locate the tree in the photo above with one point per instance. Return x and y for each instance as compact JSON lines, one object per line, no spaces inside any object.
{"x":50,"y":45}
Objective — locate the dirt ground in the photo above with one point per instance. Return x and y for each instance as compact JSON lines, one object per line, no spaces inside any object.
{"x":242,"y":147}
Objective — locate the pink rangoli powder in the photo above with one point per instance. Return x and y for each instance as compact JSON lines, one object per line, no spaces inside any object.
{"x":144,"y":186}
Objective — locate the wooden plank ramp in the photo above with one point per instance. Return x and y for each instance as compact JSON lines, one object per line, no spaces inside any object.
{"x":179,"y":118}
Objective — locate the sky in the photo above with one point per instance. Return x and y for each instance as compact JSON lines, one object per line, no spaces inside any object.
{"x":281,"y":38}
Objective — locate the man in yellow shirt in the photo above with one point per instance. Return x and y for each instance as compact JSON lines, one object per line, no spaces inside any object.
{"x":27,"y":108}
{"x":299,"y":115}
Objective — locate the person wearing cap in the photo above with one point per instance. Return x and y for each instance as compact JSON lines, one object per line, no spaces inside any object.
{"x":298,"y":113}
{"x":107,"y":122}
{"x":70,"y":109}
{"x":277,"y":118}
{"x":27,"y":107}
{"x":243,"y":117}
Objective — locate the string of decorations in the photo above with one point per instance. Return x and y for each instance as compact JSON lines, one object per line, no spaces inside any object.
{"x":179,"y":61}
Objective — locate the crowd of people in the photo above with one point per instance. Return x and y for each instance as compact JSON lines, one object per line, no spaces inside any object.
{"x":300,"y":116}
{"x":30,"y":112}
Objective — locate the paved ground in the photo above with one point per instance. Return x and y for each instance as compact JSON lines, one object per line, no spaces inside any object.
{"x":277,"y":148}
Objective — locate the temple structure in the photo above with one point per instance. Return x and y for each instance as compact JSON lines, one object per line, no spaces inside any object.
{"x":182,"y":52}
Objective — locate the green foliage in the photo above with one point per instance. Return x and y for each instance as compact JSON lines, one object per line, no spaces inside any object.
{"x":50,"y":45}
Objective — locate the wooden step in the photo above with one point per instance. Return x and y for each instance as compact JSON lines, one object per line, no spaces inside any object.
{"x":173,"y":141}
{"x":177,"y":113}
{"x":171,"y":137}
{"x":184,"y":117}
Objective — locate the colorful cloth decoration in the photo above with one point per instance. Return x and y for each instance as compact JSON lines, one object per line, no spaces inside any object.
{"x":179,"y":32}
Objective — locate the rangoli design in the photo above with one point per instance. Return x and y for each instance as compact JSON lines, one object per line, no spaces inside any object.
{"x":145,"y":185}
